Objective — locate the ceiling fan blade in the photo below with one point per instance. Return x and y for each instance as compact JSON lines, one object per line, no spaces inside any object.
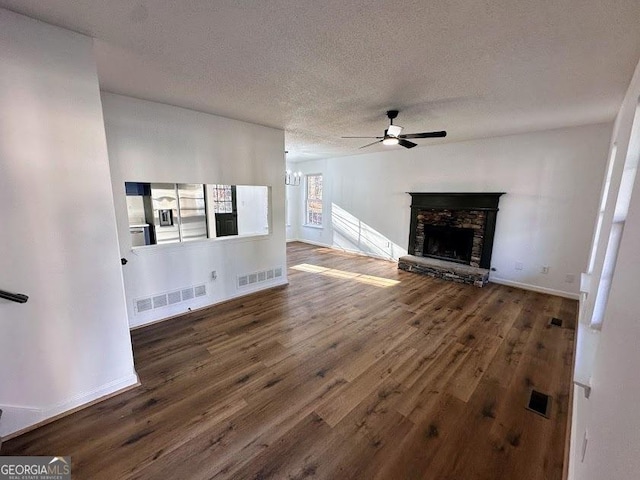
{"x":424,"y":135}
{"x":377,"y":141}
{"x":406,"y":143}
{"x":362,"y":137}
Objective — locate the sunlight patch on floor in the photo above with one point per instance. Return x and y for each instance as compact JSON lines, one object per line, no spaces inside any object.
{"x":343,"y":274}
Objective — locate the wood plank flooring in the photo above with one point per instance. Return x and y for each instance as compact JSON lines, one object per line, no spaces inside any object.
{"x":356,"y":370}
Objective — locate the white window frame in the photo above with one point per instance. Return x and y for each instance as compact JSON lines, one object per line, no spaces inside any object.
{"x":621,"y":208}
{"x":307,"y":222}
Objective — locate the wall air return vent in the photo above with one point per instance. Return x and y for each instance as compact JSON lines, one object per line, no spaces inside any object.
{"x":187,"y":294}
{"x":143,"y":305}
{"x":174,"y":297}
{"x":160,"y":301}
{"x":259,"y":277}
{"x":171,"y":298}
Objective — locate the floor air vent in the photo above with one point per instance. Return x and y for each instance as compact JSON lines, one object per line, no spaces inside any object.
{"x":171,"y":298}
{"x":555,"y":322}
{"x":259,"y":277}
{"x":539,"y":403}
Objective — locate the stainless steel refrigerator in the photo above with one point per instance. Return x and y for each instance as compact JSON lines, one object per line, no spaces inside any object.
{"x":193,"y":211}
{"x":165,"y":212}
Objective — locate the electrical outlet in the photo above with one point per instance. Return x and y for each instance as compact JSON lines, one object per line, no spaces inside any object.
{"x":570,"y":278}
{"x":519,"y":265}
{"x":544,"y":269}
{"x":214,"y":275}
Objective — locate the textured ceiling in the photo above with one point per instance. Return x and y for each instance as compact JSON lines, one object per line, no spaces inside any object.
{"x":322,"y":69}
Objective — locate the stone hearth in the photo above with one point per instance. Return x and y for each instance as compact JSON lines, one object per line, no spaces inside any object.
{"x":451,"y":271}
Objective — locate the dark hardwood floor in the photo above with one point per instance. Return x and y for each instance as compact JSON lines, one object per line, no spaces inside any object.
{"x":355,"y":370}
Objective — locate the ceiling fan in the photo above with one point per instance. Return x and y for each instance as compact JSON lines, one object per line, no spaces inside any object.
{"x":392,"y":135}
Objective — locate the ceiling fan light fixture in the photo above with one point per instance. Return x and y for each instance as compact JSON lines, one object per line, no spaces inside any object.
{"x":389,"y":140}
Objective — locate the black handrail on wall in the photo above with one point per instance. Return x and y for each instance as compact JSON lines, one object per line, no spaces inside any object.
{"x":14,"y":297}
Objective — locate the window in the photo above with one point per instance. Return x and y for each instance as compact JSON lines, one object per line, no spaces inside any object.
{"x":603,"y":207}
{"x":222,"y":199}
{"x":619,"y":217}
{"x":313,"y":207}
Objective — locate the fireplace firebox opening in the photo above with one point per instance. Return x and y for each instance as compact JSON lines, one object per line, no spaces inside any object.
{"x":447,"y":243}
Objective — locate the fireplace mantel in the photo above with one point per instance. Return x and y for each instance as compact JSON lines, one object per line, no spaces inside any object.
{"x":485,"y":202}
{"x":456,"y":201}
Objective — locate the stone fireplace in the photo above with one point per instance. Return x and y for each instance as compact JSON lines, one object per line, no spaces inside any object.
{"x":451,"y":236}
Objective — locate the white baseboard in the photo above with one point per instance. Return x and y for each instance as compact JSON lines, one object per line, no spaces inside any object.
{"x":534,"y":288}
{"x":18,"y":419}
{"x":15,"y":419}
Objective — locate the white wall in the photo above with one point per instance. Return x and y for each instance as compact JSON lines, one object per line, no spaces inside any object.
{"x":70,"y":343}
{"x":151,"y":142}
{"x":551,"y":179}
{"x":609,"y":418}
